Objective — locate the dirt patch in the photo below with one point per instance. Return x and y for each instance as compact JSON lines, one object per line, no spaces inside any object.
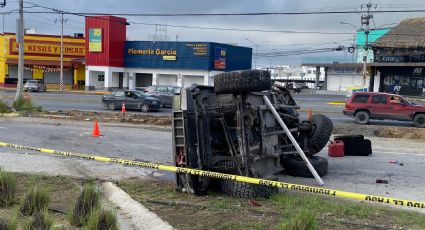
{"x":105,"y":117}
{"x":401,"y":132}
{"x":379,"y":131}
{"x":215,"y":211}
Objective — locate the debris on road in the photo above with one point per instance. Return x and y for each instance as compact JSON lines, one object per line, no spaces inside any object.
{"x":381,"y":181}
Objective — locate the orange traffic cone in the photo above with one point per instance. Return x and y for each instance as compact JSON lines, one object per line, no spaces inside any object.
{"x":309,"y":114}
{"x":96,"y":131}
{"x":123,"y":110}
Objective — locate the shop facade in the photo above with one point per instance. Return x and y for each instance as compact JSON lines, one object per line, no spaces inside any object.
{"x":399,"y":58}
{"x":112,"y":62}
{"x":42,"y":60}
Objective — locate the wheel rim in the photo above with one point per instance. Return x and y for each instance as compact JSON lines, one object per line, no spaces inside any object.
{"x":144,"y":108}
{"x":111,"y":106}
{"x":421,"y":121}
{"x":362,"y":117}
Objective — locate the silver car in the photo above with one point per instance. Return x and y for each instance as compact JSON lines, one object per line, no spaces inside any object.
{"x":34,"y":85}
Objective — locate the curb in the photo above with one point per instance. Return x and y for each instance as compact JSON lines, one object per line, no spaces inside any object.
{"x":139,"y":216}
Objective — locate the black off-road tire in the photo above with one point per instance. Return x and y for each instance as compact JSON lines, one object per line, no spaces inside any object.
{"x":419,"y":120}
{"x":246,"y":190}
{"x":362,"y":117}
{"x":322,"y":131}
{"x":295,"y":166}
{"x":242,"y":81}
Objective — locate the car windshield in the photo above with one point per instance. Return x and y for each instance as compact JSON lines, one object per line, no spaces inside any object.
{"x":31,"y":82}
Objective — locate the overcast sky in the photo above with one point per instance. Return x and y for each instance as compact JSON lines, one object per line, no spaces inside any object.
{"x":266,"y":42}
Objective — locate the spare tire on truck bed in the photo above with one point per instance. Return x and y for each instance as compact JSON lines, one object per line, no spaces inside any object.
{"x":242,"y":81}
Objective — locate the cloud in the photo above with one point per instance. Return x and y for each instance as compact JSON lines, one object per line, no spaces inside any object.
{"x":45,"y":23}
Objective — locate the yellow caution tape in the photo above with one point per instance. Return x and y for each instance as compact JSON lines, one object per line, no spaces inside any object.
{"x":197,"y":172}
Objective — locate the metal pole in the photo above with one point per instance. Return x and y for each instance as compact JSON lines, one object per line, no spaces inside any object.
{"x":61,"y":74}
{"x":294,"y":142}
{"x":365,"y":54}
{"x":20,"y":40}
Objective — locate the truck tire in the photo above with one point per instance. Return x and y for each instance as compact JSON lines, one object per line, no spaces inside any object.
{"x":322,"y":131}
{"x":246,"y":190}
{"x":242,"y":81}
{"x":419,"y":120}
{"x":295,"y":166}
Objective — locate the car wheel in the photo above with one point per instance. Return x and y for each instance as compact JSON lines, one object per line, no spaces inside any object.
{"x":111,"y":106}
{"x":362,"y":117}
{"x":144,"y":108}
{"x":419,"y":120}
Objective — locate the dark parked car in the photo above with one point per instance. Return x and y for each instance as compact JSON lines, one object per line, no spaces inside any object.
{"x":365,"y":106}
{"x":164,"y":92}
{"x":34,"y":85}
{"x":133,"y":100}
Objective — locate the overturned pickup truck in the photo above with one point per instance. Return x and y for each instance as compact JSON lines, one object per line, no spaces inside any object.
{"x":230,"y":128}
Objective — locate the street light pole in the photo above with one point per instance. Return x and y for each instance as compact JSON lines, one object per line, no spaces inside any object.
{"x":61,"y":20}
{"x":256,"y":50}
{"x":365,"y":19}
{"x":20,"y":41}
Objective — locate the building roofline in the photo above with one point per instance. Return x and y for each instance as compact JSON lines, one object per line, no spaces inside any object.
{"x":374,"y":64}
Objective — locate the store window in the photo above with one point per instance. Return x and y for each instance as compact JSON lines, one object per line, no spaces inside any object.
{"x":101,"y":77}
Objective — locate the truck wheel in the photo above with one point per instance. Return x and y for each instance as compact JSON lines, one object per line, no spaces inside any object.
{"x":246,"y":190}
{"x":322,"y":131}
{"x":362,"y":117}
{"x":242,"y":81}
{"x":419,"y":120}
{"x":295,"y":166}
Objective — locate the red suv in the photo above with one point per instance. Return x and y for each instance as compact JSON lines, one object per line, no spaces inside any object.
{"x":367,"y":105}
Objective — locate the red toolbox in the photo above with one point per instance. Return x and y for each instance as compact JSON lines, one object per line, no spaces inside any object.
{"x":336,"y":149}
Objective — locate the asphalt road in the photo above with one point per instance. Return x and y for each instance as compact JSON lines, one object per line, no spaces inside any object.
{"x":90,"y":102}
{"x":357,"y":174}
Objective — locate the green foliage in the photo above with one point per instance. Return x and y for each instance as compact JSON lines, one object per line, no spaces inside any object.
{"x":39,"y":221}
{"x":4,"y":107}
{"x":8,"y":225}
{"x":36,"y":200}
{"x":304,"y":220}
{"x":8,"y":187}
{"x":87,"y":201}
{"x":102,"y":220}
{"x":26,"y":105}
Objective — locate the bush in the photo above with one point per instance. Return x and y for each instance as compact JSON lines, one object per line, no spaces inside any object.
{"x":7,"y":189}
{"x":26,"y":105}
{"x":102,"y":220}
{"x":36,"y":200}
{"x":8,"y":225}
{"x":40,"y":221}
{"x":4,"y":107}
{"x":87,"y":201}
{"x":304,"y":220}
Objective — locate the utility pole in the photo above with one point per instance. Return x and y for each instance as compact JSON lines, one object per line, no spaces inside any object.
{"x":365,"y":20}
{"x":20,"y":41}
{"x":61,"y":20}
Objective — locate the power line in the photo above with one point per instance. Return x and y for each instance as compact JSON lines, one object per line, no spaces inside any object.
{"x":227,"y":14}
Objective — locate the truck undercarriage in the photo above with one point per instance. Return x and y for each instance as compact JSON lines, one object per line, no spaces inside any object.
{"x":229,"y":128}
